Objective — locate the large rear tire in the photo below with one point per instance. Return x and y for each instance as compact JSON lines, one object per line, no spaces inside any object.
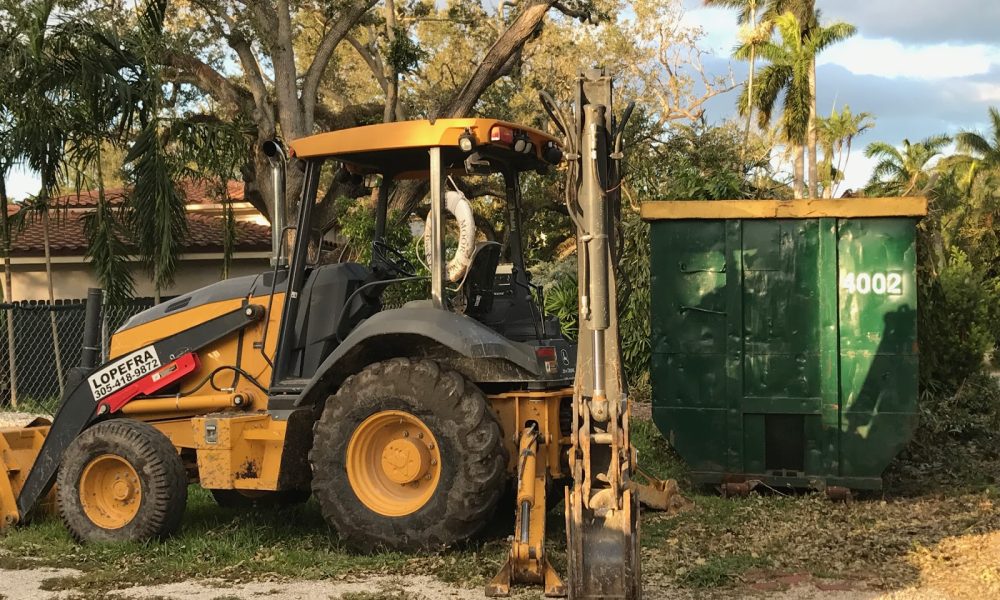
{"x":121,"y":480}
{"x":407,"y":455}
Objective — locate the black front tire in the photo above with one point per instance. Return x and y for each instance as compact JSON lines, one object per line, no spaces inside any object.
{"x":473,"y":465}
{"x":161,"y":475}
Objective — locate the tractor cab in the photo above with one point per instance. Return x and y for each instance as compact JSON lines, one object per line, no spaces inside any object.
{"x":484,"y":284}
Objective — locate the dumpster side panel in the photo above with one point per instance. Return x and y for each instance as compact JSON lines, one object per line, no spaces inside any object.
{"x":688,"y":327}
{"x":878,"y":341}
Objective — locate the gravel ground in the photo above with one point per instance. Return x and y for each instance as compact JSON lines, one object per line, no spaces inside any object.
{"x":17,"y":419}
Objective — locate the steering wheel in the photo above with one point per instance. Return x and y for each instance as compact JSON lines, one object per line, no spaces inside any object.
{"x":392,"y":258}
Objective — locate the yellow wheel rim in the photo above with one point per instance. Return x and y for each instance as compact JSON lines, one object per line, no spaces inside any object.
{"x":393,"y":463}
{"x":110,"y":491}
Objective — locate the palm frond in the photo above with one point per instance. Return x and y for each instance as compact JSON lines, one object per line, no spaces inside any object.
{"x":822,"y":38}
{"x":972,"y":142}
{"x":156,"y":218}
{"x":107,"y":252}
{"x":882,"y":149}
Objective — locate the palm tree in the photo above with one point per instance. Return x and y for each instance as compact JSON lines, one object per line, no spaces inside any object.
{"x":788,"y":72}
{"x":37,"y":135}
{"x":984,"y":150}
{"x":752,"y":38}
{"x":808,"y":19}
{"x":906,"y":170}
{"x":836,"y":134}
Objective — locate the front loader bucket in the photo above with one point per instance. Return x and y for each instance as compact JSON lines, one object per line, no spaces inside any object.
{"x":19,"y":446}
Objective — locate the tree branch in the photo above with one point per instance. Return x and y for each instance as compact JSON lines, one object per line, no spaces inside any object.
{"x":191,"y":69}
{"x":369,"y":58}
{"x":497,"y":58}
{"x":324,"y":51}
{"x":574,"y":13}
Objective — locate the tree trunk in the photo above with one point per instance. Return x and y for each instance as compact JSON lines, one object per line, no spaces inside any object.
{"x":52,"y":301}
{"x":753,"y":67}
{"x":392,"y":91}
{"x":828,"y":188}
{"x":8,"y":293}
{"x":799,"y":186}
{"x":847,"y":160}
{"x":811,"y":134}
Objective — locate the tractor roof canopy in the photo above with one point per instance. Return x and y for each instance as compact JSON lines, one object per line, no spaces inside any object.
{"x":400,"y":149}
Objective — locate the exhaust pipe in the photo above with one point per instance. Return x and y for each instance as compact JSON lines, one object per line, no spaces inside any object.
{"x":275,"y":153}
{"x":90,"y":356}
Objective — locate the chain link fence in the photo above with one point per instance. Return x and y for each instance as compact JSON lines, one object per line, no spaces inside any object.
{"x":41,"y":342}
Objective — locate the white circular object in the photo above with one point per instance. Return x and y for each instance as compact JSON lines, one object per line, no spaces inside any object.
{"x":457,"y":204}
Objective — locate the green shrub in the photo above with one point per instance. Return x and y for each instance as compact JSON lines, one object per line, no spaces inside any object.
{"x":972,"y":411}
{"x":957,"y":324}
{"x":561,"y":301}
{"x":559,"y":280}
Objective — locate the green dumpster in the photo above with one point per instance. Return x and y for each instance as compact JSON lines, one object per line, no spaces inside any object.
{"x":784,"y":337}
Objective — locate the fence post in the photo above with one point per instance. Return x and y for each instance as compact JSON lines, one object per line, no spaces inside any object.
{"x":11,"y":355}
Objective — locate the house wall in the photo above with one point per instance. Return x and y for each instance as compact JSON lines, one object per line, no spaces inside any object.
{"x":70,"y":280}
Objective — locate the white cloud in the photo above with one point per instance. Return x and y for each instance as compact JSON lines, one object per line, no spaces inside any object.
{"x":718,"y":25}
{"x":21,"y":183}
{"x":889,"y":58}
{"x":986,"y":92}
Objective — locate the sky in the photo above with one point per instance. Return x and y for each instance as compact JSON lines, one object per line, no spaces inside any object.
{"x":921,"y":67}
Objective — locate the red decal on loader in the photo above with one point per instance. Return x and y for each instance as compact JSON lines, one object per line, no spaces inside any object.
{"x":157,"y":380}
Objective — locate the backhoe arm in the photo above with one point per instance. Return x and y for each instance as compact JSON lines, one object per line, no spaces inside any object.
{"x":602,"y":513}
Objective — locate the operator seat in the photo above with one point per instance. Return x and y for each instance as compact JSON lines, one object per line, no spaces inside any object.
{"x":480,"y":282}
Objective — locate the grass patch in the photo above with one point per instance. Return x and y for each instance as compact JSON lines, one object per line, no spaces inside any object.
{"x":712,"y":545}
{"x":235,"y":545}
{"x":717,"y":571}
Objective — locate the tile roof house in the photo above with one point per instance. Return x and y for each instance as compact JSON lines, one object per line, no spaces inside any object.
{"x":201,"y":260}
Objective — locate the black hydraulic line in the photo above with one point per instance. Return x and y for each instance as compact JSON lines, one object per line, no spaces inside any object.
{"x":79,"y":407}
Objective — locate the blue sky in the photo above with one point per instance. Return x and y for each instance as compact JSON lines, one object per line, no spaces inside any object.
{"x":922,"y":67}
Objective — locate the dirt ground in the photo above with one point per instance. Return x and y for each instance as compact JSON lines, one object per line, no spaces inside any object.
{"x":30,"y":584}
{"x":960,"y":568}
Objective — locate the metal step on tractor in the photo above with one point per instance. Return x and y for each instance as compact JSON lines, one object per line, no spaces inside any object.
{"x":407,"y":424}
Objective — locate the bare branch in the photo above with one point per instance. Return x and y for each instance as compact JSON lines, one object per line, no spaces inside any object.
{"x":324,"y":51}
{"x":248,"y":60}
{"x":570,"y":11}
{"x":370,"y":59}
{"x":190,"y":69}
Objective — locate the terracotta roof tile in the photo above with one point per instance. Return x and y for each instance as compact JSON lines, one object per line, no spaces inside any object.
{"x":67,"y":236}
{"x":196,"y":191}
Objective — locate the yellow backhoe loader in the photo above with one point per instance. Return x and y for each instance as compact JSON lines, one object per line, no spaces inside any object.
{"x":407,"y":424}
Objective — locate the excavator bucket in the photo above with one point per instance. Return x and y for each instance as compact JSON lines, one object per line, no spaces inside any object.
{"x":19,"y":447}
